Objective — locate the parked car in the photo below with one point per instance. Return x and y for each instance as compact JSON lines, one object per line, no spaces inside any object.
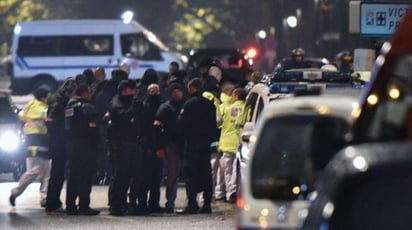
{"x":293,"y":140}
{"x":257,"y":99}
{"x":262,"y":94}
{"x":12,"y":159}
{"x":234,"y":62}
{"x":371,"y":184}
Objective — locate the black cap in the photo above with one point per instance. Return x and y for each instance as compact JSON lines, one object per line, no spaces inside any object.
{"x":126,"y":84}
{"x":174,"y":86}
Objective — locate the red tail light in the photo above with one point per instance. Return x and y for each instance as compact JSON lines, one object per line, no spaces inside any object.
{"x":252,"y":53}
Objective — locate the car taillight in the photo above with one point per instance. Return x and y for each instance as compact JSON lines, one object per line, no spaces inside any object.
{"x":252,"y":53}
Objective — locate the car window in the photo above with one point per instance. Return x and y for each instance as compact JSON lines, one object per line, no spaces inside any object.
{"x":250,"y":106}
{"x":260,"y":107}
{"x":288,"y":154}
{"x":391,"y":118}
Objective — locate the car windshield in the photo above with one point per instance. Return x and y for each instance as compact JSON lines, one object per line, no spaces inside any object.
{"x":289,"y":153}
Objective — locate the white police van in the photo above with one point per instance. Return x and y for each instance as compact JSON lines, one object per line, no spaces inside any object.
{"x":45,"y":52}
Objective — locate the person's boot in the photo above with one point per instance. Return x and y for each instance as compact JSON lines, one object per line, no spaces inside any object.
{"x":190,"y":209}
{"x":156,"y":209}
{"x":71,"y":211}
{"x":12,"y":200}
{"x":88,"y":212}
{"x":206,"y":209}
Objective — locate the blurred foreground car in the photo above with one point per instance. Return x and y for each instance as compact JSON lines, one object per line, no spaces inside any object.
{"x":12,"y":159}
{"x":293,"y":140}
{"x":372,"y":180}
{"x":365,"y":187}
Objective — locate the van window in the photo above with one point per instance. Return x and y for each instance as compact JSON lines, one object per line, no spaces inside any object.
{"x":290,"y":152}
{"x":39,"y":46}
{"x":139,"y":47}
{"x":87,"y":45}
{"x":90,"y":45}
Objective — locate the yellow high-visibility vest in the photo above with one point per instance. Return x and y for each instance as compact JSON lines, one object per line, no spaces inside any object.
{"x":232,"y":122}
{"x":33,"y":115}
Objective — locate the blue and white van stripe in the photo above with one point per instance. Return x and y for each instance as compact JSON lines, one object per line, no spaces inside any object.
{"x":23,"y":65}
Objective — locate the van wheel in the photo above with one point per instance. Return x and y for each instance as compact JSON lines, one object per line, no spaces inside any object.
{"x":45,"y":83}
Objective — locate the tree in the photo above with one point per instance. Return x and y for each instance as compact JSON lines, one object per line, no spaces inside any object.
{"x":13,"y":11}
{"x":201,"y":22}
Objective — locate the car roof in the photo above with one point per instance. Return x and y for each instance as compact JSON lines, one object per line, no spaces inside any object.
{"x":340,"y":90}
{"x":333,"y":105}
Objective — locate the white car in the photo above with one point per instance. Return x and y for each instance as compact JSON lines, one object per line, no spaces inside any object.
{"x":258,"y":98}
{"x":293,"y":140}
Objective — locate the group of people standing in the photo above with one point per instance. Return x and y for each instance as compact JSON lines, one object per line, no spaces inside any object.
{"x":149,"y":130}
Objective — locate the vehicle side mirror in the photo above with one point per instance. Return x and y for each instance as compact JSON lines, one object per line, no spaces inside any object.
{"x":246,"y":133}
{"x":245,"y":137}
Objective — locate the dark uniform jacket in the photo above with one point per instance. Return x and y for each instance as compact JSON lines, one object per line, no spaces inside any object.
{"x":169,"y":130}
{"x":55,"y":113}
{"x":125,"y":120}
{"x":198,"y":121}
{"x":80,"y":122}
{"x":150,"y":107}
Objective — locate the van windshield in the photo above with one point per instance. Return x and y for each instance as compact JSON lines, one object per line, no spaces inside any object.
{"x":139,"y":47}
{"x":290,"y":152}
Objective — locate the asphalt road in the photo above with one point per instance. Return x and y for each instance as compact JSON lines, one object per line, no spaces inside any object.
{"x":29,"y":215}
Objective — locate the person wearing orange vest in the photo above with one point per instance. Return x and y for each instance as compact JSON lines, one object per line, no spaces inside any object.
{"x":38,"y":160}
{"x":232,"y":121}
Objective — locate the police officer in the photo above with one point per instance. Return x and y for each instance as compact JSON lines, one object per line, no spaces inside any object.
{"x":152,"y":165}
{"x":57,"y":146}
{"x":297,"y":60}
{"x":198,"y":122}
{"x":82,"y":139}
{"x":123,"y":135}
{"x":344,"y":61}
{"x":168,"y":140}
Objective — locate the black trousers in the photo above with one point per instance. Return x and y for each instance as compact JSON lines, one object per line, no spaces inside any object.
{"x":57,"y":150}
{"x":81,"y":159}
{"x":125,"y":158}
{"x":103,"y":166}
{"x":151,"y":176}
{"x":199,"y":174}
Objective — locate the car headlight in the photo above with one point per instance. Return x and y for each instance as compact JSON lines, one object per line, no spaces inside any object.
{"x":9,"y":141}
